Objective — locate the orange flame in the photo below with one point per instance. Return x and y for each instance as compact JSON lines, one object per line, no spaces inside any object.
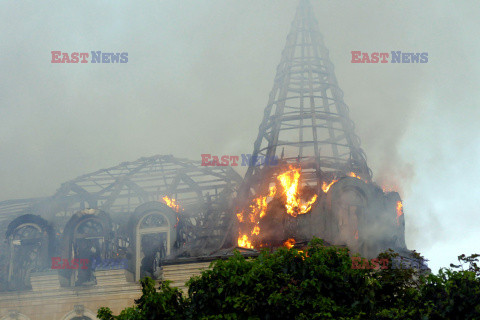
{"x":289,"y":181}
{"x":294,"y":205}
{"x":172,"y":203}
{"x":354,"y":175}
{"x":240,"y":217}
{"x":326,"y":187}
{"x":399,"y":211}
{"x":289,"y":243}
{"x":243,"y":242}
{"x":258,"y":209}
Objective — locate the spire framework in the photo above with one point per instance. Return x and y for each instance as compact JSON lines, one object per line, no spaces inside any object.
{"x":306,"y":121}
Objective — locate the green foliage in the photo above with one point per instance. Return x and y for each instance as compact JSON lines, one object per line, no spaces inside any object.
{"x":319,"y":283}
{"x":167,"y":303}
{"x":453,"y":294}
{"x":448,"y":295}
{"x":316,"y":284}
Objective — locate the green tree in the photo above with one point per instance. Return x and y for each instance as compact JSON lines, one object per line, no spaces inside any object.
{"x":318,"y":283}
{"x":167,"y":303}
{"x":453,"y":294}
{"x":286,"y":284}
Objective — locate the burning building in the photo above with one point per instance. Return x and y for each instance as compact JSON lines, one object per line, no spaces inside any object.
{"x":101,"y":232}
{"x":321,"y":185}
{"x":166,"y":217}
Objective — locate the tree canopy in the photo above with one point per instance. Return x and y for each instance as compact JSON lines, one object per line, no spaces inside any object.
{"x":316,"y":283}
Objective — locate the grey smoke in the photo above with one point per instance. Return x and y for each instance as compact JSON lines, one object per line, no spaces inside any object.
{"x":198,"y":79}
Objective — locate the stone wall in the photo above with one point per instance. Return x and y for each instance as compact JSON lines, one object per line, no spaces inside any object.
{"x":49,"y":301}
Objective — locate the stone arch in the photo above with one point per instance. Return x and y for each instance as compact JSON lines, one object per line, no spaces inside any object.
{"x":31,"y":241}
{"x":349,"y":202}
{"x":14,"y":315}
{"x":153,"y":235}
{"x":87,"y":236}
{"x":350,"y":216}
{"x":80,"y":313}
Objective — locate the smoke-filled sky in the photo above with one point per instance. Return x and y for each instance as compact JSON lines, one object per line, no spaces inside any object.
{"x":198,"y":78}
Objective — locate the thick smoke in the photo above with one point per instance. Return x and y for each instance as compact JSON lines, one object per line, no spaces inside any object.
{"x":198,"y":79}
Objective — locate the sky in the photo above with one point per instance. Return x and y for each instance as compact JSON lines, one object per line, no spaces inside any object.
{"x":198,"y":78}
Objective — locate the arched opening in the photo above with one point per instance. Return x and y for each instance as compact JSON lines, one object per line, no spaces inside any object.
{"x":30,"y":241}
{"x":153,"y":233}
{"x":80,"y":313}
{"x":349,"y":216}
{"x":86,"y":238}
{"x":153,"y":243}
{"x":14,"y":315}
{"x":88,"y":245}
